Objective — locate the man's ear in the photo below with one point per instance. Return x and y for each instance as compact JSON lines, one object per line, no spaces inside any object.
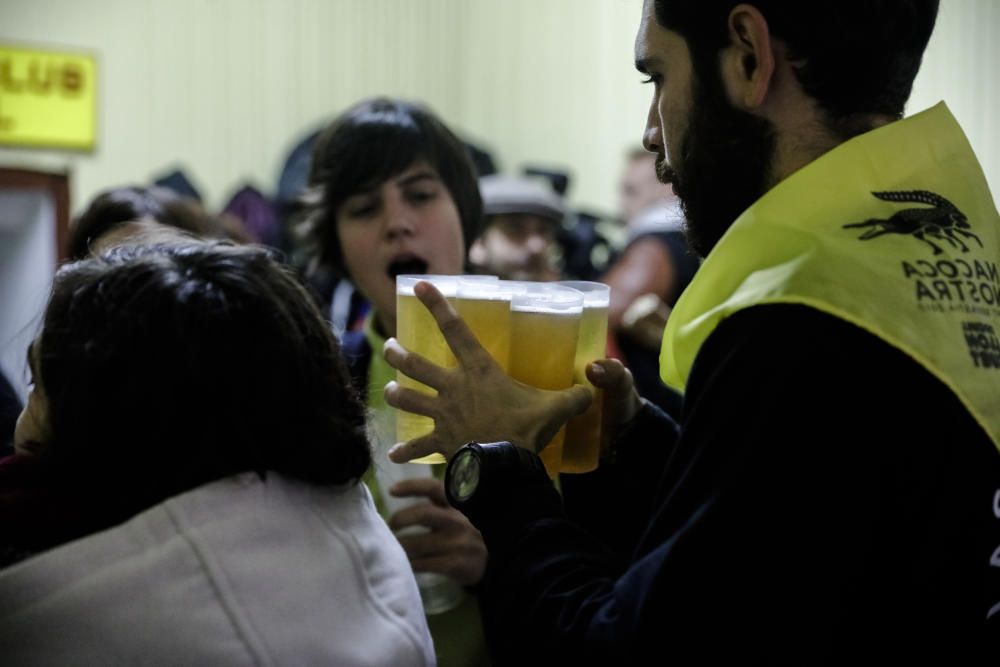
{"x":747,"y":64}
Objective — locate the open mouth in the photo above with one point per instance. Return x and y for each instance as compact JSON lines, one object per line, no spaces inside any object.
{"x":409,"y":264}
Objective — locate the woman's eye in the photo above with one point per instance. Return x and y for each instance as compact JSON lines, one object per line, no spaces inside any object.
{"x":361,"y":210}
{"x":422,"y":195}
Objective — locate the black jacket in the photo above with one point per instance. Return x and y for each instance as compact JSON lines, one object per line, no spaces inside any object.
{"x":825,"y":501}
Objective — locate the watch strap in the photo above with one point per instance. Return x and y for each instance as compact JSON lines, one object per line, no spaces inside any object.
{"x":513,"y":490}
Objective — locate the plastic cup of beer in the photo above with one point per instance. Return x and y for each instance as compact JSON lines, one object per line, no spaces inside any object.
{"x":544,"y":323}
{"x":417,"y":331}
{"x":582,"y":447}
{"x":485,"y":308}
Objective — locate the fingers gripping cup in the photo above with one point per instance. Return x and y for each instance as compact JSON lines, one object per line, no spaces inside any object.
{"x":544,"y":323}
{"x":417,"y":331}
{"x":582,"y":447}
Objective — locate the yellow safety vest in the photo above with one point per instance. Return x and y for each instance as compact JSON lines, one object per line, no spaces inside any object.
{"x":894,"y":231}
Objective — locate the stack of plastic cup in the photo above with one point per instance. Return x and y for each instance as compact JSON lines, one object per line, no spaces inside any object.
{"x":582,"y":447}
{"x":542,"y":334}
{"x":544,"y":324}
{"x":485,"y":308}
{"x":417,"y":331}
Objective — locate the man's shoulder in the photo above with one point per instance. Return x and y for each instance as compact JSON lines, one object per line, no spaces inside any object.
{"x":829,"y":376}
{"x":783,"y":321}
{"x":793,"y":336}
{"x":805,"y":357}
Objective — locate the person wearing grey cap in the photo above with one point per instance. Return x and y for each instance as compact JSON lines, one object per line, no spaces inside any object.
{"x":523,"y":217}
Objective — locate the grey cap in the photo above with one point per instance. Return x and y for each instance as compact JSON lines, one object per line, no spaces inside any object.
{"x":504,"y":195}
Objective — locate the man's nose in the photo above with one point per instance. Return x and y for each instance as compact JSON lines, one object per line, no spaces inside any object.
{"x":537,"y":243}
{"x":652,"y":138}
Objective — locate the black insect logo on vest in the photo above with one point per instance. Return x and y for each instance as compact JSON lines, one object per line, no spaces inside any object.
{"x":943,"y":222}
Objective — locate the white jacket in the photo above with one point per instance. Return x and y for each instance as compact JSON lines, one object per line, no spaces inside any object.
{"x":237,"y":572}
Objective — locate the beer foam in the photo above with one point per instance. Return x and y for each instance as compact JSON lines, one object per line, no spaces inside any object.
{"x":447,"y":285}
{"x":548,"y":298}
{"x":540,"y":309}
{"x":483,"y":295}
{"x":595,"y":295}
{"x":496,"y":290}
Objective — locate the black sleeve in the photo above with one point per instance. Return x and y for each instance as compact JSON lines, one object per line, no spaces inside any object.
{"x":806,"y":513}
{"x":615,"y":501}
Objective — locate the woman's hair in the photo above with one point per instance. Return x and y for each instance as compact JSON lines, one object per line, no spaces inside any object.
{"x":370,"y":143}
{"x":119,"y":206}
{"x":169,"y":366}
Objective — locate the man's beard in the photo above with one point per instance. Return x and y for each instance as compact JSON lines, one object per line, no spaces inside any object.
{"x":724,"y":164}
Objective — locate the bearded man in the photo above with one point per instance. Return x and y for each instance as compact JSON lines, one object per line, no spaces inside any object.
{"x":832,"y":492}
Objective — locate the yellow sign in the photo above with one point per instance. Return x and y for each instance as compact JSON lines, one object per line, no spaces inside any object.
{"x":47,"y":98}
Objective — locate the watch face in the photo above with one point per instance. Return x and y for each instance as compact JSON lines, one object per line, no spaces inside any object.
{"x":464,"y":475}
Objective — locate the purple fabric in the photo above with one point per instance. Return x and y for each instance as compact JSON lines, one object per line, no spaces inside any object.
{"x":257,"y":214}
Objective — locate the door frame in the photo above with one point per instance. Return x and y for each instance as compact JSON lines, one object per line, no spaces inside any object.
{"x":56,"y":185}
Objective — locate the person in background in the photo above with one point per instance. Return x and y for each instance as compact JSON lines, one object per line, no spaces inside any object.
{"x":523,"y":219}
{"x":649,"y":276}
{"x":395,"y":193}
{"x":335,"y":294}
{"x":187,"y":484}
{"x":639,"y":190}
{"x":118,"y":213}
{"x":833,"y":492}
{"x":656,"y":259}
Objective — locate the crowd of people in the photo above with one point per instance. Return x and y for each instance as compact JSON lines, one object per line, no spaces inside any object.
{"x":800,"y":443}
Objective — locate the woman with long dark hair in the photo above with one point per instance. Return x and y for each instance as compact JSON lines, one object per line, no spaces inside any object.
{"x":187,"y":488}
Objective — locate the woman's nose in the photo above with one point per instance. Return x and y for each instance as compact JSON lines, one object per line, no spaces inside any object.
{"x":400,"y":220}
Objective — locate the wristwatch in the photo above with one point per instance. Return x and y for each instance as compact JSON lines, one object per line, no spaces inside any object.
{"x":463,"y":473}
{"x":477,"y":468}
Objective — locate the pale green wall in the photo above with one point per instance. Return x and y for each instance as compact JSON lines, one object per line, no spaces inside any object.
{"x":962,"y":67}
{"x":225,"y":86}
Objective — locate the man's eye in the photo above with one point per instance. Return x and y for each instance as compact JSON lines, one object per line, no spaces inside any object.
{"x":652,"y":78}
{"x":514,"y":230}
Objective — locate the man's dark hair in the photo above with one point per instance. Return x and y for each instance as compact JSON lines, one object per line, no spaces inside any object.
{"x":108,"y":210}
{"x":169,"y":366}
{"x":120,"y":205}
{"x":854,"y":57}
{"x":370,"y":143}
